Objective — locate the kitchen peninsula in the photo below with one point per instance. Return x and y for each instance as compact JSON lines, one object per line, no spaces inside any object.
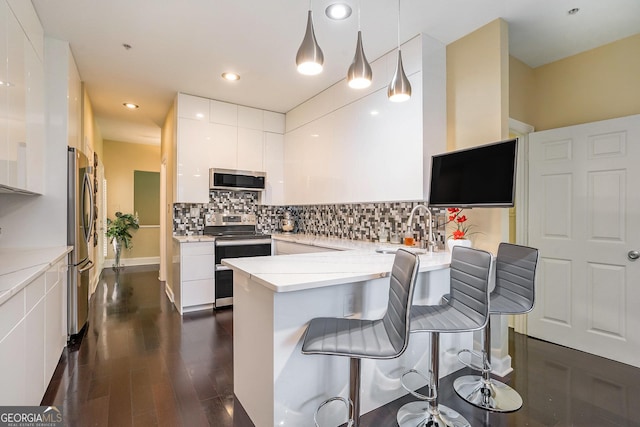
{"x":274,"y":299}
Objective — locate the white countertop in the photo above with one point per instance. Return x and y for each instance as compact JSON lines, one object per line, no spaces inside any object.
{"x":330,"y":242}
{"x":287,"y":273}
{"x":19,"y":266}
{"x":194,"y":238}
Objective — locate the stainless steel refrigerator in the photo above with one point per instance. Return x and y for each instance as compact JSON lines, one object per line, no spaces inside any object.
{"x":79,"y":228}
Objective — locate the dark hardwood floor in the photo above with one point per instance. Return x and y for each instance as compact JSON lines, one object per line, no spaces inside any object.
{"x":141,"y":364}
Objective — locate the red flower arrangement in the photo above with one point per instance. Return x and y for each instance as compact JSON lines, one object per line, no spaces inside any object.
{"x":462,"y":230}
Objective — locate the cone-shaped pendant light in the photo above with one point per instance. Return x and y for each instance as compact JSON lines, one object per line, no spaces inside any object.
{"x":309,"y":58}
{"x":399,"y":89}
{"x":359,"y":75}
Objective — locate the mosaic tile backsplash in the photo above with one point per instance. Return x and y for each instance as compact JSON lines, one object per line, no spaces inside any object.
{"x":357,"y":221}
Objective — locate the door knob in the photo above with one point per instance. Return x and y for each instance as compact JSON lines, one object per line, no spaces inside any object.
{"x":633,"y":255}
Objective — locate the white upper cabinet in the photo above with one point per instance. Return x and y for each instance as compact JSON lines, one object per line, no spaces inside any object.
{"x":222,"y":150}
{"x":250,"y":118}
{"x":192,"y":162}
{"x":223,"y":113}
{"x":16,"y":108}
{"x":193,"y":107}
{"x":273,"y":166}
{"x":250,"y":150}
{"x":21,"y":98}
{"x":4,"y":96}
{"x":369,"y":150}
{"x":273,"y":122}
{"x":229,"y":136}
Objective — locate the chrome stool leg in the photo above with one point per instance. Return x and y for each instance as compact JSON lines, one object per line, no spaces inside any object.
{"x":429,"y":412}
{"x":483,"y":391}
{"x":354,"y":389}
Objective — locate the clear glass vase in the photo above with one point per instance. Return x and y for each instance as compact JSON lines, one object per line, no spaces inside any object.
{"x":117,"y":250}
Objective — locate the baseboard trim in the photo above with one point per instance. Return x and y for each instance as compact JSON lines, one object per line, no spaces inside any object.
{"x":108,"y":263}
{"x":169,"y":292}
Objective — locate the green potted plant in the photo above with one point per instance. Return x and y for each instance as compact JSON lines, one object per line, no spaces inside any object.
{"x":118,"y":233}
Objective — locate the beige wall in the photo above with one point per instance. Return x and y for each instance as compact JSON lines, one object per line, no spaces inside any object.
{"x":599,"y":84}
{"x":90,"y":134}
{"x":168,"y":156}
{"x":120,"y":160}
{"x":477,"y":108}
{"x":522,"y":91}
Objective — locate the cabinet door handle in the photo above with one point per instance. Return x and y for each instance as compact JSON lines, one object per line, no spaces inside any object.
{"x":633,"y":255}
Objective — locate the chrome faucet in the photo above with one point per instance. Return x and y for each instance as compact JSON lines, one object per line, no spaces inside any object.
{"x":430,"y":239}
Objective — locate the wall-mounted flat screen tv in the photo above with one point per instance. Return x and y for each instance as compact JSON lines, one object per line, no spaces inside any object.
{"x":482,"y":176}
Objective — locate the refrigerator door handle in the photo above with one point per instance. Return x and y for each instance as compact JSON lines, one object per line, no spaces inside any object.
{"x":82,"y":261}
{"x":86,"y":189}
{"x":86,"y":267}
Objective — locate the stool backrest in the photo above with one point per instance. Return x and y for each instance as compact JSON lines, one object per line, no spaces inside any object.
{"x":402,"y":284}
{"x":515,"y":277}
{"x":470,"y":283}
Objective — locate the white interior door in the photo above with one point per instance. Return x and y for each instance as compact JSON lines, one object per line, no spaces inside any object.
{"x":584,"y":216}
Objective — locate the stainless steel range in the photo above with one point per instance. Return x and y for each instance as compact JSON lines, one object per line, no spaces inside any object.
{"x":235,"y":237}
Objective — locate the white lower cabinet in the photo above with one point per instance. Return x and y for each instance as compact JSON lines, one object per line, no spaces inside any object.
{"x":35,"y":319}
{"x":197,"y":277}
{"x":55,"y":318}
{"x":13,"y":366}
{"x":35,"y":337}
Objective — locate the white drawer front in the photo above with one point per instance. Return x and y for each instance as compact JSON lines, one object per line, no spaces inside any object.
{"x":197,"y":267}
{"x":198,"y":292}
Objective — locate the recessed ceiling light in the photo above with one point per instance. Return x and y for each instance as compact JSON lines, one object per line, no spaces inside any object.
{"x":338,"y":11}
{"x":231,"y":76}
{"x":374,"y":113}
{"x":315,"y":135}
{"x":130,"y":105}
{"x":574,"y":11}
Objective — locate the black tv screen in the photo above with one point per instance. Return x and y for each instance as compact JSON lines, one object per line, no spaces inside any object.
{"x":482,"y":176}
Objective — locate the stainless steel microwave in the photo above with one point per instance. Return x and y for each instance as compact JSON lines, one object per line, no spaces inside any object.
{"x":228,"y":179}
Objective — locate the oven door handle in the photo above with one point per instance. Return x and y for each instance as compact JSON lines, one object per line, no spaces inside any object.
{"x":243,"y":242}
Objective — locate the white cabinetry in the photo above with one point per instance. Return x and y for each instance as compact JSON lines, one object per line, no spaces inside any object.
{"x":223,"y":113}
{"x":222,"y":151}
{"x":21,"y":102}
{"x":228,"y":136}
{"x":274,"y":167}
{"x":250,"y":118}
{"x":193,"y":107}
{"x":33,"y":336}
{"x":196,"y":279}
{"x":367,"y":151}
{"x":192,"y":165}
{"x":250,"y":150}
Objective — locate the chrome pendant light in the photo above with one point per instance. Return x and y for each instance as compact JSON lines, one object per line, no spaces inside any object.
{"x":359,"y":75}
{"x":309,"y":58}
{"x":399,"y":89}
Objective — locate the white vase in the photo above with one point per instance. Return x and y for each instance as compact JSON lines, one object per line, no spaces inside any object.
{"x":458,"y":242}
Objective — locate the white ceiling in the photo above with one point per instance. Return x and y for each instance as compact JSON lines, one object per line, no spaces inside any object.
{"x":185,"y":45}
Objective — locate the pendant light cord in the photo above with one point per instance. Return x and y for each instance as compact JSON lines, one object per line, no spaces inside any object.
{"x":398,"y":25}
{"x":358,"y":15}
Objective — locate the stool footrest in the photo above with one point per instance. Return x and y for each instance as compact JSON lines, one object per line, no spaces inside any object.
{"x":471,"y":364}
{"x":347,"y":403}
{"x":433,"y":394}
